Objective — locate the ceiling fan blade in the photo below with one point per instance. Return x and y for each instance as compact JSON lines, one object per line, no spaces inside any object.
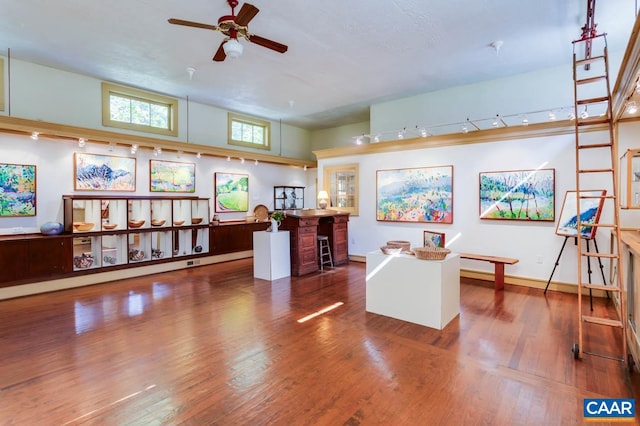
{"x":269,"y":44}
{"x":246,"y":14}
{"x":220,"y":55}
{"x":193,"y":24}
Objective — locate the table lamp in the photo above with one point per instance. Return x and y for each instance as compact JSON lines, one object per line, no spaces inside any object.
{"x":322,"y":199}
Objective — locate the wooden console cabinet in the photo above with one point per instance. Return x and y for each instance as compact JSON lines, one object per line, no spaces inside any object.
{"x":232,"y":237}
{"x":28,"y":258}
{"x":305,"y":226}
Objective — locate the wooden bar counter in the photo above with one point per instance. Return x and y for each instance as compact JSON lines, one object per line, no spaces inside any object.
{"x":305,"y":226}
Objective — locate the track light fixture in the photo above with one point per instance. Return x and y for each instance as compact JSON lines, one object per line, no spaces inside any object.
{"x":228,"y":158}
{"x":632,"y":107}
{"x":198,"y":155}
{"x":82,"y":142}
{"x":525,"y":121}
{"x":35,"y":135}
{"x":255,"y":163}
{"x":134,"y":148}
{"x":242,"y":161}
{"x":584,"y":114}
{"x":305,"y":168}
{"x":552,"y":115}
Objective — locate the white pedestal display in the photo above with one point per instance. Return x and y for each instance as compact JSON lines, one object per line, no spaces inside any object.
{"x":271,"y":255}
{"x":425,"y":292}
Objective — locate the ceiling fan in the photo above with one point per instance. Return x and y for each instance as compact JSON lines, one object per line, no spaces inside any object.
{"x":234,"y":26}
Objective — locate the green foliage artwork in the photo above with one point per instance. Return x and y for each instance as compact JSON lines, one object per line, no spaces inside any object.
{"x":167,"y":176}
{"x":232,"y":192}
{"x":17,"y":190}
{"x":527,"y":195}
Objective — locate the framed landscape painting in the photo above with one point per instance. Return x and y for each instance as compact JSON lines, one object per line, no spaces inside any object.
{"x":527,"y":195}
{"x":17,"y":190}
{"x":423,"y":194}
{"x":94,"y":172}
{"x":167,"y":176}
{"x":232,"y":192}
{"x":590,"y":209}
{"x":433,"y":239}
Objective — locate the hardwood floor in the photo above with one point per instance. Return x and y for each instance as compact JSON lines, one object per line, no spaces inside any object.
{"x":214,"y":346}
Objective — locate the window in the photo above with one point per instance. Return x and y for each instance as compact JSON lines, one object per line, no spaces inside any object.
{"x":248,"y":132}
{"x":341,"y":182}
{"x":134,"y":109}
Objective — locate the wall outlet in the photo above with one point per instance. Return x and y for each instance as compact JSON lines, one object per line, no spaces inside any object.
{"x":539,"y":259}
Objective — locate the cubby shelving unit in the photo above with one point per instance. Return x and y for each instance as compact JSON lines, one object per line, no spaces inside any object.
{"x":126,"y":230}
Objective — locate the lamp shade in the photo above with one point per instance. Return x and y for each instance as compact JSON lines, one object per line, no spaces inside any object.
{"x":322,"y":199}
{"x":232,"y":48}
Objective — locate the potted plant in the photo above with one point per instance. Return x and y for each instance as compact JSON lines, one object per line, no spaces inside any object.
{"x":278,"y":215}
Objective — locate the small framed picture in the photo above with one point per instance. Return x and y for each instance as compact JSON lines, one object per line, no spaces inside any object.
{"x":433,"y":239}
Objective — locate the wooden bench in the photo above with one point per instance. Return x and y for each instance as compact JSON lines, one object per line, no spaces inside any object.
{"x":498,"y":262}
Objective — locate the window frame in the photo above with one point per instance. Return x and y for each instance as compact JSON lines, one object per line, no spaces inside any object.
{"x":109,"y":89}
{"x":245,"y":119}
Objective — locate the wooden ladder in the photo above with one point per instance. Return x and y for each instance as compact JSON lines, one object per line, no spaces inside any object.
{"x":596,"y":167}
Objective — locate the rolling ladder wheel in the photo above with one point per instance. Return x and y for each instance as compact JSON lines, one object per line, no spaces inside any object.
{"x":592,"y":90}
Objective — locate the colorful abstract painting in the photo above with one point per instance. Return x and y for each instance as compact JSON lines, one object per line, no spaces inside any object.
{"x":415,"y":195}
{"x":17,"y":190}
{"x":167,"y":176}
{"x":590,"y":209}
{"x":232,"y":192}
{"x":527,"y":195}
{"x":94,"y":172}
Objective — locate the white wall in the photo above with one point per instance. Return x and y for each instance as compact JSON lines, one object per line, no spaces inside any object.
{"x":51,"y":95}
{"x":338,"y":136}
{"x":55,"y":167}
{"x":526,"y":241}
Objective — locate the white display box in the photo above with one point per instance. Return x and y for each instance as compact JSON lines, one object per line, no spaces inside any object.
{"x":271,"y":255}
{"x":425,"y":292}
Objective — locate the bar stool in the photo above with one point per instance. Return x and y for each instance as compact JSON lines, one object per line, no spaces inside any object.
{"x":324,"y":251}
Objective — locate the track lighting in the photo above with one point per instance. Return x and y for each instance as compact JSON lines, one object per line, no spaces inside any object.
{"x":584,"y":114}
{"x":255,"y":163}
{"x":424,"y":133}
{"x":632,"y":107}
{"x":134,"y":148}
{"x":571,"y":116}
{"x":35,"y":135}
{"x":305,"y":168}
{"x":401,"y":133}
{"x":359,"y":140}
{"x":157,"y":151}
{"x":376,"y":138}
{"x":552,"y":115}
{"x":228,"y":158}
{"x":465,"y":129}
{"x":198,"y":155}
{"x":82,"y":142}
{"x":242,"y":161}
{"x":525,"y":121}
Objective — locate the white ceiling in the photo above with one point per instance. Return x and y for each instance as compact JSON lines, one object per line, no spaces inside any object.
{"x":343,"y":54}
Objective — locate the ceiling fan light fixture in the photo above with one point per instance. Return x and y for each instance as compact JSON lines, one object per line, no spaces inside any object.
{"x":232,"y":48}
